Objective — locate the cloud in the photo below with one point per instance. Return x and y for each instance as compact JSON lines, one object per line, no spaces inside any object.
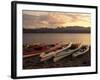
{"x":33,"y":19}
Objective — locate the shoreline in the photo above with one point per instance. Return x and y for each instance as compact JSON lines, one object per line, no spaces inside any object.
{"x":69,"y":61}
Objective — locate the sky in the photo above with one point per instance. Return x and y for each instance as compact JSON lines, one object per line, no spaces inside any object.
{"x":44,"y":19}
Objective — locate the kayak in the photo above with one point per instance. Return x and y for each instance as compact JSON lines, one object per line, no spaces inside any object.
{"x":81,"y":51}
{"x":49,"y":54}
{"x":33,"y":50}
{"x":67,"y":52}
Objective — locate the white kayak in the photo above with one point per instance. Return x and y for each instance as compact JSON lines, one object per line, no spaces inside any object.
{"x":47,"y":55}
{"x":81,"y":51}
{"x":67,"y":52}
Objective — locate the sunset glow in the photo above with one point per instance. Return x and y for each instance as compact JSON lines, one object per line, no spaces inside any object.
{"x":42,"y":19}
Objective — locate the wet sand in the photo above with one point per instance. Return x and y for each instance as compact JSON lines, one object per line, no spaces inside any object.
{"x":69,"y":61}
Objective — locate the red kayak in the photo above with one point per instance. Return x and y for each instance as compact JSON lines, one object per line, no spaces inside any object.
{"x":33,"y":50}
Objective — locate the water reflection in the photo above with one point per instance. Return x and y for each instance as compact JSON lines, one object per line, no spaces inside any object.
{"x":32,"y":38}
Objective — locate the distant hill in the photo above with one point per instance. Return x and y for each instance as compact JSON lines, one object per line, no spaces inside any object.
{"x":68,"y":29}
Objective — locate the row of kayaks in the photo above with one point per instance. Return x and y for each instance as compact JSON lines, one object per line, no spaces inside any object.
{"x":60,"y":51}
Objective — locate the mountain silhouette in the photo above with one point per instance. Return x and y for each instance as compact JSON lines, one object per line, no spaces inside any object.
{"x":68,"y":29}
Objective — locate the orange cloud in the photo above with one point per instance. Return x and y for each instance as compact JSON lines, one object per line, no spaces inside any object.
{"x":33,"y":19}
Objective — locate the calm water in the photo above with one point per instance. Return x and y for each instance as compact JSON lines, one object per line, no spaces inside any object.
{"x":47,"y":38}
